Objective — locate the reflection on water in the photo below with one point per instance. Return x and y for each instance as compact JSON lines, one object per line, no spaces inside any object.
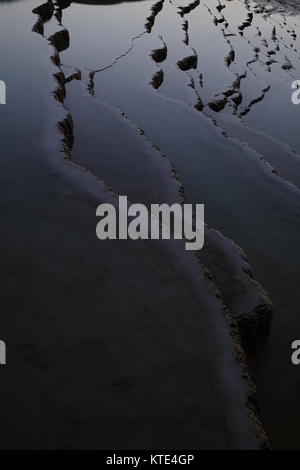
{"x":220,"y":71}
{"x":193,"y":75}
{"x":289,"y":7}
{"x":103,"y":2}
{"x":22,"y":72}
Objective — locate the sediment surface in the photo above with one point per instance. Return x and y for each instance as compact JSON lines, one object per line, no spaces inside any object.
{"x":176,"y":107}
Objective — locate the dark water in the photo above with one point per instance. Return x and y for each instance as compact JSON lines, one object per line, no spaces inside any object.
{"x":244,"y":199}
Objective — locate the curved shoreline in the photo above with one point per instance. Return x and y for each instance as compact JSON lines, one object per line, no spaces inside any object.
{"x":252,"y":323}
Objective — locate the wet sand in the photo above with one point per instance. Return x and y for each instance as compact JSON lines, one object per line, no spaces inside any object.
{"x":220,"y":109}
{"x":141,"y":346}
{"x":109,"y":345}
